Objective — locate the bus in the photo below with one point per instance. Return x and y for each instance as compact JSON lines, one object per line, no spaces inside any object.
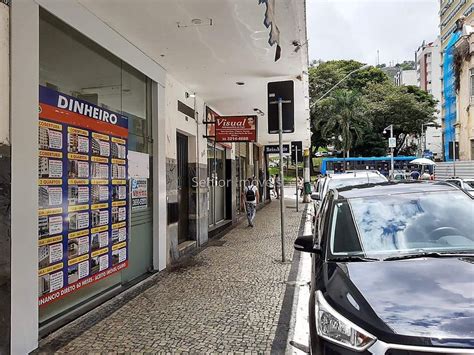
{"x":382,"y":164}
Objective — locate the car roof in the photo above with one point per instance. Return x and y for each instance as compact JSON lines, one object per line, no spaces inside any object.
{"x":354,"y":174}
{"x":392,"y":188}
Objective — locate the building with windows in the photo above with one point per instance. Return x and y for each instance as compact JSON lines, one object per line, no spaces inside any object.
{"x":464,"y":49}
{"x":453,"y":14}
{"x":451,"y":11}
{"x":164,"y":66}
{"x":428,"y":71}
{"x":405,"y":77}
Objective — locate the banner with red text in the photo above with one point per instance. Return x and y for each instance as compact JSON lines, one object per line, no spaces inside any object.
{"x":236,"y":129}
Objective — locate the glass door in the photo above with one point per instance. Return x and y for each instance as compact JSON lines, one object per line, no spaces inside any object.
{"x":219,"y":186}
{"x":211,"y":179}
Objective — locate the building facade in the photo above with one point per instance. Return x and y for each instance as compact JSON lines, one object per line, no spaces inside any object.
{"x":428,"y":69}
{"x":453,"y":13}
{"x":406,"y":77}
{"x":113,"y":106}
{"x":465,"y":94}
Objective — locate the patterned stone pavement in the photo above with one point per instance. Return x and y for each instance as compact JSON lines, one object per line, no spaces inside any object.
{"x":226,"y":298}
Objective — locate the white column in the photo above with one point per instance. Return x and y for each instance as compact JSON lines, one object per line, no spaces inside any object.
{"x":159,"y":179}
{"x":24,"y":210}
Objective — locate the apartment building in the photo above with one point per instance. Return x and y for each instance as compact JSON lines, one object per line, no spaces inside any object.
{"x":464,"y":50}
{"x":453,"y":13}
{"x":428,"y":72}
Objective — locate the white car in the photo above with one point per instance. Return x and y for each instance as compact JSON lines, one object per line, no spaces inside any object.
{"x":464,"y":184}
{"x":350,"y":178}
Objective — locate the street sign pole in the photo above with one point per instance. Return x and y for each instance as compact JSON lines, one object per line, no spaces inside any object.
{"x":392,"y":165}
{"x":281,"y":92}
{"x":282,"y":179}
{"x":280,"y":103}
{"x":296,"y":180}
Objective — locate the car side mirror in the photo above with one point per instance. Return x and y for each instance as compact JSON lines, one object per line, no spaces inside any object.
{"x":315,"y":197}
{"x":305,"y":244}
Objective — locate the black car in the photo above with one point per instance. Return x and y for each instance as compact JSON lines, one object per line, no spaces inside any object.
{"x":392,"y":270}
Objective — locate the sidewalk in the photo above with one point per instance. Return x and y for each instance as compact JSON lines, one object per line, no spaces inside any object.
{"x":227,"y":298}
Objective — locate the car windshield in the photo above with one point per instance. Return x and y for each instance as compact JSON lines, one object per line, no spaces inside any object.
{"x":360,"y":180}
{"x":469,"y":185}
{"x":403,"y":224}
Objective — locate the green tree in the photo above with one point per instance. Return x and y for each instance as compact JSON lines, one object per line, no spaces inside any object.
{"x":346,"y":121}
{"x":381,"y":102}
{"x":407,"y":108}
{"x":323,"y":76}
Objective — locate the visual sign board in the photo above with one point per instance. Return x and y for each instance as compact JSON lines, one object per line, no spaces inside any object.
{"x":83,"y":200}
{"x":275,"y":149}
{"x":236,"y":128}
{"x":211,"y":117}
{"x":285,"y":91}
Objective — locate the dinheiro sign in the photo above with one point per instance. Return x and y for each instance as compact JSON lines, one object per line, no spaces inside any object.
{"x":236,"y":128}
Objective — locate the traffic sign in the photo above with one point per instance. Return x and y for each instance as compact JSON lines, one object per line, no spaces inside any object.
{"x":297,"y":151}
{"x":275,"y":149}
{"x":392,"y":142}
{"x":281,"y":90}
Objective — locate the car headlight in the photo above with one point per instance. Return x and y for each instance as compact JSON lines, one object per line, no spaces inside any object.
{"x":335,"y":328}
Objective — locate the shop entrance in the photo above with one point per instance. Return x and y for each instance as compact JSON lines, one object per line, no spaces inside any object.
{"x":183,"y":187}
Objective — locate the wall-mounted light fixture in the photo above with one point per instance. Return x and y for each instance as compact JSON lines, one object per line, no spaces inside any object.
{"x":258,"y":111}
{"x":188,"y":95}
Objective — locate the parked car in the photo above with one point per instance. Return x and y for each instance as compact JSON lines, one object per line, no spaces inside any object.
{"x":392,"y":270}
{"x":464,"y":184}
{"x":400,"y":175}
{"x":349,"y":178}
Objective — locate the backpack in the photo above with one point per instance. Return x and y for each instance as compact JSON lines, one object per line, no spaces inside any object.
{"x":250,"y":194}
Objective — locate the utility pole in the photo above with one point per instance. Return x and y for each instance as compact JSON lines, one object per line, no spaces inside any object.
{"x":296,"y":177}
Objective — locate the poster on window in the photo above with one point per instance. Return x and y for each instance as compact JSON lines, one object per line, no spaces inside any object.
{"x":139,"y":194}
{"x":236,"y":129}
{"x":82,"y":184}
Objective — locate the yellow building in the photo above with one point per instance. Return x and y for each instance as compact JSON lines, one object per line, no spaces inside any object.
{"x":465,"y":96}
{"x":450,"y":12}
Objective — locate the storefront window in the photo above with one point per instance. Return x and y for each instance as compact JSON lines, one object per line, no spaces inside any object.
{"x":74,"y":65}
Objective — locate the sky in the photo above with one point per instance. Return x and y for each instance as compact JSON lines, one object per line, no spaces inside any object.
{"x":356,"y":29}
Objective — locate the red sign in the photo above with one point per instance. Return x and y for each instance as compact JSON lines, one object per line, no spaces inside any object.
{"x":236,"y":129}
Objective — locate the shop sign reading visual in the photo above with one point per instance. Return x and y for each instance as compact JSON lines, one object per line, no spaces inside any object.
{"x":236,"y":129}
{"x":82,"y":194}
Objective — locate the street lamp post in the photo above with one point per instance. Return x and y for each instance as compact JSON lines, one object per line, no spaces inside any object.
{"x":392,"y":165}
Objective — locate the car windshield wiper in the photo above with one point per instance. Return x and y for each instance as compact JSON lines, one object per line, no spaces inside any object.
{"x":427,"y":255}
{"x":352,"y":258}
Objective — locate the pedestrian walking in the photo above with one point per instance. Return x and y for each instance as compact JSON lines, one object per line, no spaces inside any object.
{"x":300,"y":185}
{"x":277,"y":186}
{"x":271,"y":185}
{"x":251,"y":197}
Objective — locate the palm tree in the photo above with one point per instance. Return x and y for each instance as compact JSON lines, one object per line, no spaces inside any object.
{"x":345,"y":121}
